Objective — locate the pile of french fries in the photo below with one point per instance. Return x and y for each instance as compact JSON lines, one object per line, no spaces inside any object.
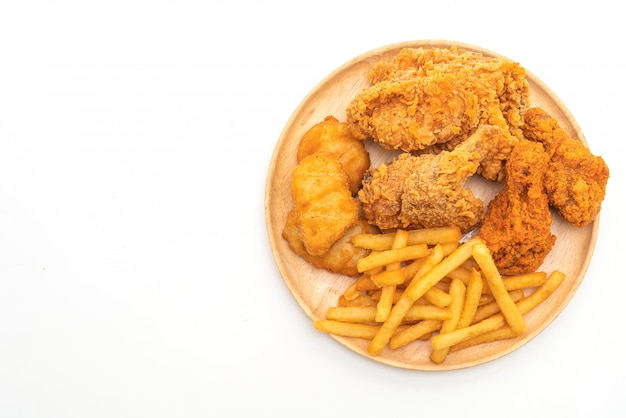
{"x":426,"y":284}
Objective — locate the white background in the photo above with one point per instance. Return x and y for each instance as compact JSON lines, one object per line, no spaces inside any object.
{"x":136,"y":278}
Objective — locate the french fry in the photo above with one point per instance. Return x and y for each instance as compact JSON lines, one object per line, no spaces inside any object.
{"x":492,"y":308}
{"x":352,"y":292}
{"x":541,"y":293}
{"x":414,"y":332}
{"x":365,"y":282}
{"x":367,"y":314}
{"x":501,"y":333}
{"x":522,"y":281}
{"x":403,"y":305}
{"x":383,"y":307}
{"x":384,"y":258}
{"x":472,"y":298}
{"x":434,"y":236}
{"x":387,"y":296}
{"x":346,"y":329}
{"x":431,"y":271}
{"x":512,"y":315}
{"x":417,"y":288}
{"x":461,"y":273}
{"x":429,"y":236}
{"x":457,"y":291}
{"x":389,"y":278}
{"x":362,"y":300}
{"x":497,"y":321}
{"x":438,"y":297}
{"x":416,"y":283}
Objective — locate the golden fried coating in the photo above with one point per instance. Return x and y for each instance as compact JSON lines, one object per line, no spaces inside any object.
{"x":576,"y":179}
{"x":516,"y":227}
{"x":426,"y":98}
{"x":335,"y":137}
{"x":539,"y":126}
{"x":427,"y":190}
{"x":342,"y":256}
{"x":324,"y":206}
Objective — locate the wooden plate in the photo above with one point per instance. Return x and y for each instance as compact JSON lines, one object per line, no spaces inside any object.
{"x":316,"y":290}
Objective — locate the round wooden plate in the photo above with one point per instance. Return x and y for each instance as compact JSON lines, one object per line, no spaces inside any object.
{"x":316,"y":290}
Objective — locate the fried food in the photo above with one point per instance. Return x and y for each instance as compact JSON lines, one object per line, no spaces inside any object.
{"x":426,"y":191}
{"x":575,"y":179}
{"x":335,"y":137}
{"x":342,"y":256}
{"x":425,"y":98}
{"x":516,"y":227}
{"x":324,"y":207}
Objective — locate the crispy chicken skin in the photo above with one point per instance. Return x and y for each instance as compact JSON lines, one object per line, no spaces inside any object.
{"x":324,"y":206}
{"x":427,"y":190}
{"x":433,"y":99}
{"x":575,"y":179}
{"x":335,"y":137}
{"x":516,"y":227}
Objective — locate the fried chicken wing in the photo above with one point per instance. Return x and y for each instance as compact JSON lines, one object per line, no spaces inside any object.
{"x":324,"y":206}
{"x":342,"y":256}
{"x":427,"y":190}
{"x":435,"y":98}
{"x":335,"y":137}
{"x":516,"y":227}
{"x":576,"y":179}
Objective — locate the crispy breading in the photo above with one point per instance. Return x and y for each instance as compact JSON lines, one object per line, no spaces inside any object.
{"x":435,"y":98}
{"x":516,"y":227}
{"x":335,"y":137}
{"x":427,"y":190}
{"x":325,"y":208}
{"x":575,"y":179}
{"x":342,"y":256}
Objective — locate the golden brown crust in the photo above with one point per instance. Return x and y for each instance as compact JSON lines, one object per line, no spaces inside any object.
{"x":426,"y":98}
{"x":335,"y":137}
{"x":575,"y":179}
{"x":323,"y":203}
{"x":516,"y":227}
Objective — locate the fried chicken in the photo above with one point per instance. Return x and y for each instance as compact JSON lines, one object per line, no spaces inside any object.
{"x":324,"y":206}
{"x":335,"y":137}
{"x":342,"y":256}
{"x":427,"y":190}
{"x":516,"y":227}
{"x":575,"y":179}
{"x":433,"y":99}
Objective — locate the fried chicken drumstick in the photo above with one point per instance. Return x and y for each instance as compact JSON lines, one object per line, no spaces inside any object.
{"x":427,"y":190}
{"x":516,"y":227}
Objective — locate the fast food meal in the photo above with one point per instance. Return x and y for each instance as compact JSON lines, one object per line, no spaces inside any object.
{"x":427,"y":259}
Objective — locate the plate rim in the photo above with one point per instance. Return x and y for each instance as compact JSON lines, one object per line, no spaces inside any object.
{"x":369,"y":55}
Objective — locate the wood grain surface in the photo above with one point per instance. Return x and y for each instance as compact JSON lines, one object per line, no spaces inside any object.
{"x":316,"y":290}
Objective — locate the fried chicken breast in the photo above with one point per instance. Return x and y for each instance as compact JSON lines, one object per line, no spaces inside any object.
{"x":516,"y":227}
{"x":427,"y":190}
{"x":335,"y":137}
{"x":575,"y":179}
{"x":436,"y":97}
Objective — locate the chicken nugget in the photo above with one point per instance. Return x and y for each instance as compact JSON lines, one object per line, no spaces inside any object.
{"x":342,"y":256}
{"x":325,"y":208}
{"x":335,"y":137}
